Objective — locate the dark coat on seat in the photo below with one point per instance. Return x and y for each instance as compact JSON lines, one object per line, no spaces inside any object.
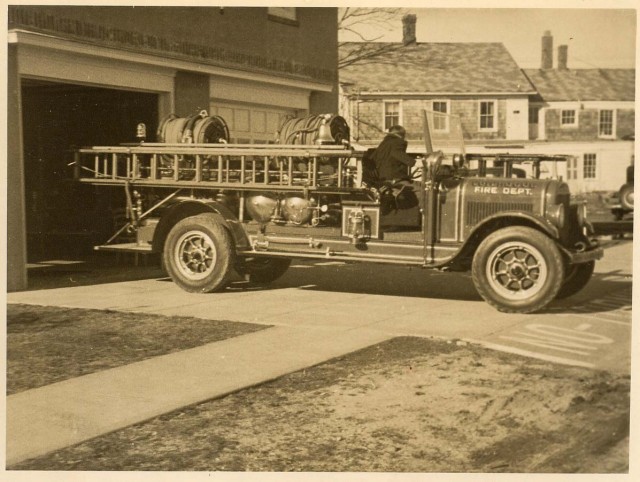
{"x":391,"y":159}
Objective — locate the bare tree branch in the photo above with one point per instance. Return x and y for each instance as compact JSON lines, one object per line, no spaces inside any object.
{"x":365,"y":24}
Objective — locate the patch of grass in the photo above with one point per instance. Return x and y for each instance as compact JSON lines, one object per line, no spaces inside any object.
{"x":317,"y":420}
{"x":50,"y":344}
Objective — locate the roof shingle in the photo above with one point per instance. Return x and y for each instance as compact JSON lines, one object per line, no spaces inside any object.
{"x":462,"y":68}
{"x":556,"y":85}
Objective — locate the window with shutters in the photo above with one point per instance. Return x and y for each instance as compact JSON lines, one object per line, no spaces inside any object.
{"x":572,"y":168}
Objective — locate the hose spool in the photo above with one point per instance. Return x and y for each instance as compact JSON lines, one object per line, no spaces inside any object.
{"x":313,"y":130}
{"x":198,"y":129}
{"x":323,"y":129}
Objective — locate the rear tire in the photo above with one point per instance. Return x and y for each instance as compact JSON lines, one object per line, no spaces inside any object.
{"x":576,"y":277}
{"x":518,"y":270}
{"x":199,"y":254}
{"x":265,"y":270}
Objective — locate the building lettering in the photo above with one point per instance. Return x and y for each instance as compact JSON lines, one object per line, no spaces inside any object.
{"x":26,"y":17}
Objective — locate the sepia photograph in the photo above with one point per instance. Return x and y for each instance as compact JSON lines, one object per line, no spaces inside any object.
{"x":370,"y":242}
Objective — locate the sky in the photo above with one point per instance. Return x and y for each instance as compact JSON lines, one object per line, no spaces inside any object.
{"x":597,"y":38}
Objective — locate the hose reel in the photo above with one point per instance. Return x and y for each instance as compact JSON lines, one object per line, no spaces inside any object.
{"x":197,"y":129}
{"x":314,"y":129}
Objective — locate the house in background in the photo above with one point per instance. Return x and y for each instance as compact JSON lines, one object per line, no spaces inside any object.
{"x":478,"y":84}
{"x":589,"y":113}
{"x":585,"y":113}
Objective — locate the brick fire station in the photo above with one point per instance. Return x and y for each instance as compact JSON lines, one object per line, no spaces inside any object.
{"x":88,"y":75}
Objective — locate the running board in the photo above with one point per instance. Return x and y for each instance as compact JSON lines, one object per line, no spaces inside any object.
{"x":124,"y":248}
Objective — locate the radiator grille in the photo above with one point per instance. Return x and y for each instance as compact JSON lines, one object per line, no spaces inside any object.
{"x":477,"y":211}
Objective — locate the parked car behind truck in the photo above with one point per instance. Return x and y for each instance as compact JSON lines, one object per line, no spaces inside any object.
{"x":621,"y":202}
{"x":216,"y":208}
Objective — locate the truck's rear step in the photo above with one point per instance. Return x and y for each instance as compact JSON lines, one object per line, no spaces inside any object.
{"x":125,"y":248}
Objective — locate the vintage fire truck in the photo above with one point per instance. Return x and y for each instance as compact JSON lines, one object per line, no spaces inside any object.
{"x":212,"y":209}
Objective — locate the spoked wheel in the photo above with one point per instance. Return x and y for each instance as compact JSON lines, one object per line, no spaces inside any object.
{"x":576,"y":277}
{"x":264,"y":270}
{"x":199,"y":255}
{"x":518,"y":270}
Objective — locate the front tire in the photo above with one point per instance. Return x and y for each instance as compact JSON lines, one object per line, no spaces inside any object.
{"x":576,"y":277}
{"x":518,"y":270}
{"x":199,"y":255}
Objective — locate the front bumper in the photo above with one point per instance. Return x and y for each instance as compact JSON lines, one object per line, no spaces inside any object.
{"x":593,"y":254}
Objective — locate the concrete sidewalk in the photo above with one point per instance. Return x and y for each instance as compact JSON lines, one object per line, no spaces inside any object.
{"x":65,"y":413}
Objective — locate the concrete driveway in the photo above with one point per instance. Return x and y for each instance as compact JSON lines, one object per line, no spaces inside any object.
{"x":591,"y":329}
{"x":319,"y":310}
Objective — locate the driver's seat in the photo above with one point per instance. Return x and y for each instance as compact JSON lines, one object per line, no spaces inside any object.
{"x":370,"y":176}
{"x":388,"y":191}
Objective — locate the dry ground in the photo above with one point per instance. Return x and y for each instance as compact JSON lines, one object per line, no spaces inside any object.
{"x":51,"y":344}
{"x":406,"y":405}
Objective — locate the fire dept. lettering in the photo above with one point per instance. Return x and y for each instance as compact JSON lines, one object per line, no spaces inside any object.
{"x":512,"y":191}
{"x":486,"y":189}
{"x":517,"y":191}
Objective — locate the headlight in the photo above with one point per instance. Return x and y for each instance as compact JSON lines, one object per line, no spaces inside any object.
{"x":555,"y":214}
{"x":582,"y":214}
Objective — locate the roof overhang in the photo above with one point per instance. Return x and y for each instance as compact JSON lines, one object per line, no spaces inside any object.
{"x":25,"y":37}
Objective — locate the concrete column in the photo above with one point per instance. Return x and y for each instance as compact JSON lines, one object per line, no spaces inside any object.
{"x":191,"y":93}
{"x":324,"y":102}
{"x":16,"y":210}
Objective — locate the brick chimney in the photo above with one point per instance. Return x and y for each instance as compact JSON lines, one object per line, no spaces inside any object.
{"x":563,"y":56}
{"x":409,"y":29}
{"x":547,"y":51}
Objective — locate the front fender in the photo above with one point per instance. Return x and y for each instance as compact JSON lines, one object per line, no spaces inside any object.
{"x":184,"y":208}
{"x":464,"y":255}
{"x":510,"y":218}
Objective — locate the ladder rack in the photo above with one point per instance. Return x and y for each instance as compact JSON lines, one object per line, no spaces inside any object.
{"x":220,"y":166}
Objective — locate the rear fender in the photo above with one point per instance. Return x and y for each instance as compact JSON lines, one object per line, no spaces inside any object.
{"x":192,"y":207}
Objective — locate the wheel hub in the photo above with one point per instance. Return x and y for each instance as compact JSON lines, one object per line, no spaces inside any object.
{"x":516,"y":270}
{"x":195,"y":254}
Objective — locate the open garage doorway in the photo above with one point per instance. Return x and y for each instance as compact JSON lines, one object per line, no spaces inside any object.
{"x":65,"y":219}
